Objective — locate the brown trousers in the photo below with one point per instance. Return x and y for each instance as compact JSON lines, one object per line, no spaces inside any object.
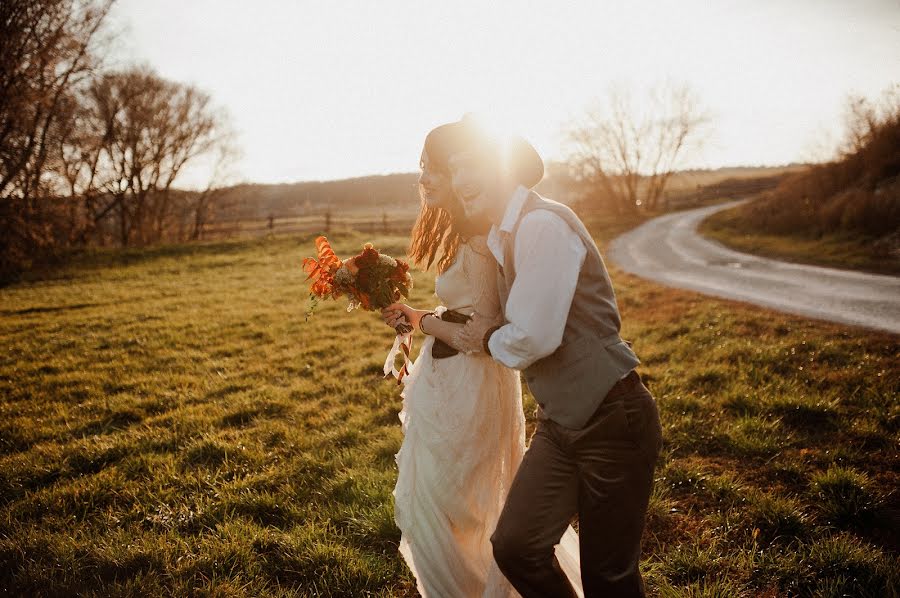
{"x":604,"y":474}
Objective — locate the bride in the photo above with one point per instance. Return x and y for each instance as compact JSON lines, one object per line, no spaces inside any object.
{"x":462,"y":418}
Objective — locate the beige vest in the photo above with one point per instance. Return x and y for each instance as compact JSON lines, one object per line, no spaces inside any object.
{"x":570,"y":383}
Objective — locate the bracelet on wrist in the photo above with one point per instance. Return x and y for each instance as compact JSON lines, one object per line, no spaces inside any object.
{"x":422,"y":319}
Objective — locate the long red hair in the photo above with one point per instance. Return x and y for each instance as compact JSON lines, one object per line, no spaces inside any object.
{"x":435,"y":230}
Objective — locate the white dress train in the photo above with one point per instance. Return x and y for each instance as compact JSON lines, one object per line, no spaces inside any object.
{"x":463,"y":439}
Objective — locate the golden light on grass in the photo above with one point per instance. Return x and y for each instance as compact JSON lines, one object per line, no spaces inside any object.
{"x":172,"y":425}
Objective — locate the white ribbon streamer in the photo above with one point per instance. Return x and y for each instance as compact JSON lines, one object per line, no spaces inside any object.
{"x":402,"y":344}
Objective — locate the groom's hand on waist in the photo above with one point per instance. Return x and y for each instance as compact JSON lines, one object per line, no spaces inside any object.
{"x":472,"y":338}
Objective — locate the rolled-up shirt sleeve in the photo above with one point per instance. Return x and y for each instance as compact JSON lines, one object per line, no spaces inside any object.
{"x":548,"y":258}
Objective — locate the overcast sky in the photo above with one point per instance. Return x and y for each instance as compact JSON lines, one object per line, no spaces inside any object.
{"x":332,"y":89}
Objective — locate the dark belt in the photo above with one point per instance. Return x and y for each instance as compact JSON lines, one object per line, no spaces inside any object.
{"x":440,"y":349}
{"x":626,"y":384}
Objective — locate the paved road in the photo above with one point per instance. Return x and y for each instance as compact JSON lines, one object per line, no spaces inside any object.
{"x":669,"y":250}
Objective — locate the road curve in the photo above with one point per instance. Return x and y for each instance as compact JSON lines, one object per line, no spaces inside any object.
{"x":669,"y":250}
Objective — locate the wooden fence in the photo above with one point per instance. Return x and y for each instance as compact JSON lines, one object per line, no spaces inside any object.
{"x":322,"y":223}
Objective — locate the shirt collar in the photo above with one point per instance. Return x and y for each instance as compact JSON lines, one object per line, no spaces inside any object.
{"x":510,"y":216}
{"x":514,"y":209}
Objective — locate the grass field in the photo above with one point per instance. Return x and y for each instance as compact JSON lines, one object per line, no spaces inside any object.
{"x":171,"y":425}
{"x":848,"y":250}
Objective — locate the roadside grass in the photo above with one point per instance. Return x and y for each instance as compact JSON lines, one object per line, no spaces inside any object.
{"x":847,"y":251}
{"x":170,"y":424}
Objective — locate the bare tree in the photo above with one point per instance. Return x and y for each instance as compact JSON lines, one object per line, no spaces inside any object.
{"x":865,"y":118}
{"x":47,"y":48}
{"x":625,"y":150}
{"x":136,"y":134}
{"x":204,"y":207}
{"x":75,"y":163}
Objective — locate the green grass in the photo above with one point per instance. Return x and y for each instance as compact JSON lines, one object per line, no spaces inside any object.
{"x":847,"y":251}
{"x":170,"y":425}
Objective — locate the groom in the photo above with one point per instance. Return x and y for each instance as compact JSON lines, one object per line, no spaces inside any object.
{"x":598,"y":432}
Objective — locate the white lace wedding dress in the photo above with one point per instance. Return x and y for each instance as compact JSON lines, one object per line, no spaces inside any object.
{"x":464,"y":437}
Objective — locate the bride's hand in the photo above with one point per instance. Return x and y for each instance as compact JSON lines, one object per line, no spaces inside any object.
{"x":397,"y":313}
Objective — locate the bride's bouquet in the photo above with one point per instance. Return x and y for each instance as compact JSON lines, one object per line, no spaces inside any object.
{"x":371,"y":281}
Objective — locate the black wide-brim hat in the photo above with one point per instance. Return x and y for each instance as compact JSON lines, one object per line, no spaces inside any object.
{"x":519,"y":157}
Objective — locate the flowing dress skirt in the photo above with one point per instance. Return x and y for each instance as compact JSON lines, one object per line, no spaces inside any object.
{"x":464,"y":437}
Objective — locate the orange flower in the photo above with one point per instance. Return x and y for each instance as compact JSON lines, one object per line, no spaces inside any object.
{"x":321,"y":271}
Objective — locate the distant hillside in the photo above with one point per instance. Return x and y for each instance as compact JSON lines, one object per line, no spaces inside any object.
{"x":690,"y":187}
{"x":370,"y":194}
{"x":398,"y":193}
{"x":844,"y":213}
{"x":858,"y":193}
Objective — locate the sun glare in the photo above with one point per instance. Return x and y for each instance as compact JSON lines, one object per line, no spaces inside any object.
{"x":345,"y":89}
